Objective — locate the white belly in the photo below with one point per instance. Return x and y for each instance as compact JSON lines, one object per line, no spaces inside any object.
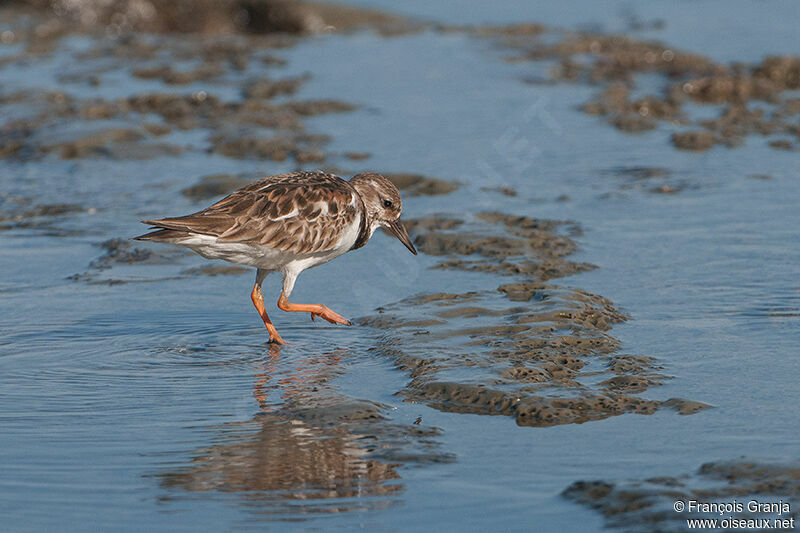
{"x":239,"y":253}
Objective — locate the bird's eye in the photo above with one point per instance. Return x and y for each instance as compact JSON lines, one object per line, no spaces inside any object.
{"x":387,"y":203}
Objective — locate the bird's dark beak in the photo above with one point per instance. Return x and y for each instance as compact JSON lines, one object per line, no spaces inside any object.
{"x":399,"y":231}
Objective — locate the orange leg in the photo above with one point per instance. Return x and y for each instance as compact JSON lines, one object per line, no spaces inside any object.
{"x":315,"y":310}
{"x":258,"y":301}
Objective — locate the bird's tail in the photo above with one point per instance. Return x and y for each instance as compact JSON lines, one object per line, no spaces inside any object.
{"x":163,"y":235}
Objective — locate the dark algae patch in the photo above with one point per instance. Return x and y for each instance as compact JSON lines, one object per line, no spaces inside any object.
{"x":752,"y":99}
{"x":265,"y":122}
{"x":500,"y":243}
{"x":247,"y":129}
{"x":23,"y":213}
{"x":649,"y":504}
{"x":541,"y":354}
{"x":538,"y":352}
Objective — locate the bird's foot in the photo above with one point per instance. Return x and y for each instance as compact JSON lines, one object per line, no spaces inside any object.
{"x":331,"y":316}
{"x":316,"y":310}
{"x":276,"y":340}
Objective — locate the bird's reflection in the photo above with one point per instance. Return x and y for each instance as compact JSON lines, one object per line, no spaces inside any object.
{"x":310,"y":444}
{"x":295,"y":382}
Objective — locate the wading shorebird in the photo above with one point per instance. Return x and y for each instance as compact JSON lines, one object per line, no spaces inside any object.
{"x":288,"y":223}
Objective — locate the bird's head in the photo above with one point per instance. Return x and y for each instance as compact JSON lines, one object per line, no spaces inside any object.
{"x":383,"y":204}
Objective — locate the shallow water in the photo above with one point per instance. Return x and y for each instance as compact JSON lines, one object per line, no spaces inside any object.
{"x":157,"y":404}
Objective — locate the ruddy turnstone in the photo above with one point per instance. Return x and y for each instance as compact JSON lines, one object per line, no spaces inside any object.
{"x":288,"y":223}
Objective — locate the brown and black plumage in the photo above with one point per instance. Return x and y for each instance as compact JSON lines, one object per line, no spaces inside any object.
{"x":288,"y":223}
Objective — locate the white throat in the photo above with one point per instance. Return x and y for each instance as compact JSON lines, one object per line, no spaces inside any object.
{"x":373,"y":226}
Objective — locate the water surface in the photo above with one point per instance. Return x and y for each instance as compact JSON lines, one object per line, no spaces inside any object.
{"x":157,"y":404}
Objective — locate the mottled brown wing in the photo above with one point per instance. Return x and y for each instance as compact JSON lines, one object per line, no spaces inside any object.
{"x":302,"y":212}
